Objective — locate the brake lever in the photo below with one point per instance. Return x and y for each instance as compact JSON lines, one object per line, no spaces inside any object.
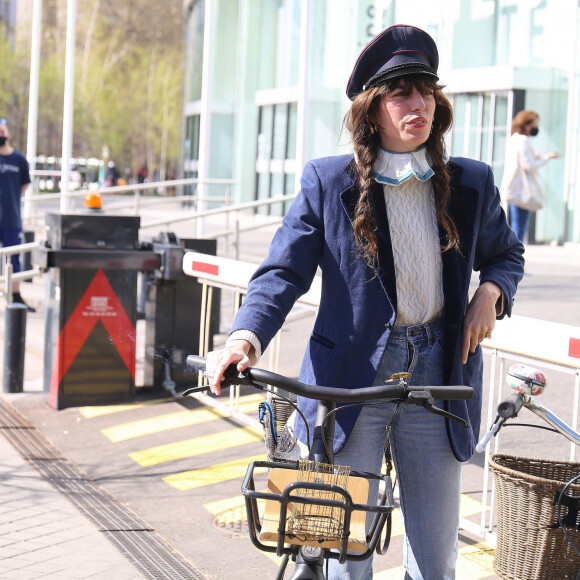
{"x":230,"y":377}
{"x":425,"y":400}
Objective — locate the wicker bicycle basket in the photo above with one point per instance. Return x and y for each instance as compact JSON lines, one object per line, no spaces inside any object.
{"x":530,"y":543}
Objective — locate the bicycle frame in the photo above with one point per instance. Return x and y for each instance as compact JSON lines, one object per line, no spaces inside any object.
{"x":311,"y":552}
{"x":318,"y":454}
{"x":552,"y":419}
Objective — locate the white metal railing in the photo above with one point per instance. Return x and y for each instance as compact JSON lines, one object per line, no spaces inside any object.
{"x":139,"y":201}
{"x":137,"y":189}
{"x":234,"y":275}
{"x":538,"y":342}
{"x":8,"y":276}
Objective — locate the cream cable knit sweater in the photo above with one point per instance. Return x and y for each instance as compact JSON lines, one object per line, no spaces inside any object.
{"x":416,"y":251}
{"x":414,"y":236}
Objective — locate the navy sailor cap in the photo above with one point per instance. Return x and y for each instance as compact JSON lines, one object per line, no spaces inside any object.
{"x":397,"y":51}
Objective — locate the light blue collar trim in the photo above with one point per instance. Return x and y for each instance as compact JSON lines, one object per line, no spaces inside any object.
{"x":402,"y":178}
{"x":396,"y":168}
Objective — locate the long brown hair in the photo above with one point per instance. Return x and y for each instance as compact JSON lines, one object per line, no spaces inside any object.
{"x":522,"y":121}
{"x":360,"y":122}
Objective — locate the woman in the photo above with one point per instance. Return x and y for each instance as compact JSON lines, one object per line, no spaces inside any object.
{"x":396,"y":230}
{"x":520,"y":186}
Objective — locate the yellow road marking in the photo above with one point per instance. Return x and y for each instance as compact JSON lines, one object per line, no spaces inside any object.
{"x":214,"y":474}
{"x":232,"y":509}
{"x":468,"y":508}
{"x":90,"y":412}
{"x":196,"y":446}
{"x":140,"y":427}
{"x":221,"y":505}
{"x":473,"y":563}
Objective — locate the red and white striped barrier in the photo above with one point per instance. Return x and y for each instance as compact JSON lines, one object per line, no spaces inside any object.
{"x":234,"y":273}
{"x":550,"y":342}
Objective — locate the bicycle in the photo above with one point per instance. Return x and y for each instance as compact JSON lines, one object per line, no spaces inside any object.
{"x":315,"y":510}
{"x":535,"y":541}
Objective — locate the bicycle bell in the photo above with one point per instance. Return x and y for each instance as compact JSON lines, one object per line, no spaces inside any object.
{"x":525,"y":379}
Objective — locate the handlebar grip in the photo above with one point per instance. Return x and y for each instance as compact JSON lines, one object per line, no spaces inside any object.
{"x":190,"y":391}
{"x":480,"y":448}
{"x":195,"y":361}
{"x":510,"y":407}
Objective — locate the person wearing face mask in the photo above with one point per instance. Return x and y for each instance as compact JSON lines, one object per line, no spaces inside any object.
{"x":14,"y":179}
{"x":520,"y":186}
{"x":396,"y":228}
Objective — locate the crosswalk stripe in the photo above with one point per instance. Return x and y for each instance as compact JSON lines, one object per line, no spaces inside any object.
{"x":230,"y":503}
{"x":91,"y":412}
{"x":232,"y":509}
{"x":473,"y":563}
{"x":196,"y":446}
{"x":468,"y":508}
{"x":214,"y":474}
{"x":237,"y":504}
{"x":141,"y":427}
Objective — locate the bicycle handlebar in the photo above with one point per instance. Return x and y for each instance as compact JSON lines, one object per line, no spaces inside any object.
{"x":509,"y":409}
{"x":318,"y":392}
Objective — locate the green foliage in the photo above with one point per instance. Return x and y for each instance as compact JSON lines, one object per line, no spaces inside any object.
{"x":14,"y":82}
{"x":128,"y":75}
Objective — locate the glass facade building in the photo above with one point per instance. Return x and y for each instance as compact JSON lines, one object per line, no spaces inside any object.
{"x":265,"y":87}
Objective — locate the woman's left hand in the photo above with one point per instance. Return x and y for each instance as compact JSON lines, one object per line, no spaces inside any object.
{"x":480,"y":318}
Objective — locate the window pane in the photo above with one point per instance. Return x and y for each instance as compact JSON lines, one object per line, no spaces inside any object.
{"x":265,"y":132}
{"x":473,"y":125}
{"x":499,"y":136}
{"x":291,"y":147}
{"x":280,"y":131}
{"x":458,"y":125}
{"x":485,"y":129}
{"x":194,"y":54}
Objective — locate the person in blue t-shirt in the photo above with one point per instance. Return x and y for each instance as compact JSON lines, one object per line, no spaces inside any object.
{"x":14,"y":179}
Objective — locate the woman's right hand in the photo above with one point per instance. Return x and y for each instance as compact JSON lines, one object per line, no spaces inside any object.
{"x":238,"y":352}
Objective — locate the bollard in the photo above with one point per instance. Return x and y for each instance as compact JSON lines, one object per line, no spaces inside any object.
{"x":14,"y":346}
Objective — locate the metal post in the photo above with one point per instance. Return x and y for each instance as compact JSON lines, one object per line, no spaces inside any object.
{"x":33,"y":101}
{"x":68,"y":109}
{"x":302,"y":105}
{"x":8,"y":280}
{"x":205,"y":118}
{"x":14,"y":347}
{"x":26,"y":257}
{"x":237,"y":238}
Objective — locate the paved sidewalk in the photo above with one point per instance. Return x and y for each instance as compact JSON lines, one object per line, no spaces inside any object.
{"x":56,"y":522}
{"x":42,"y":535}
{"x":42,"y":532}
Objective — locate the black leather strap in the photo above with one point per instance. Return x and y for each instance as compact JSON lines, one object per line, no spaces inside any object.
{"x":381,"y":550}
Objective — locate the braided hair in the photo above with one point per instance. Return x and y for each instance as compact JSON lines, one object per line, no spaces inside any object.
{"x":360,"y":121}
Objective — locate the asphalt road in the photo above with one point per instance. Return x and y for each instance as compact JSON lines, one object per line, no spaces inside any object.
{"x":144,"y":454}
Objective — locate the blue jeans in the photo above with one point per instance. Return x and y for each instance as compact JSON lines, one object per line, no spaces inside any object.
{"x":11,"y":237}
{"x":519,"y":221}
{"x":429,"y":475}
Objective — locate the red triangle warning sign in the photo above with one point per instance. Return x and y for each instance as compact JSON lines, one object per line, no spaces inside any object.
{"x":99,"y":302}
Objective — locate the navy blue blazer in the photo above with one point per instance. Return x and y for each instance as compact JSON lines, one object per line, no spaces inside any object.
{"x":357,"y":306}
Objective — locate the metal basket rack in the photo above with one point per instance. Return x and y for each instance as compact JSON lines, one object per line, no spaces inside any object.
{"x":317,"y":505}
